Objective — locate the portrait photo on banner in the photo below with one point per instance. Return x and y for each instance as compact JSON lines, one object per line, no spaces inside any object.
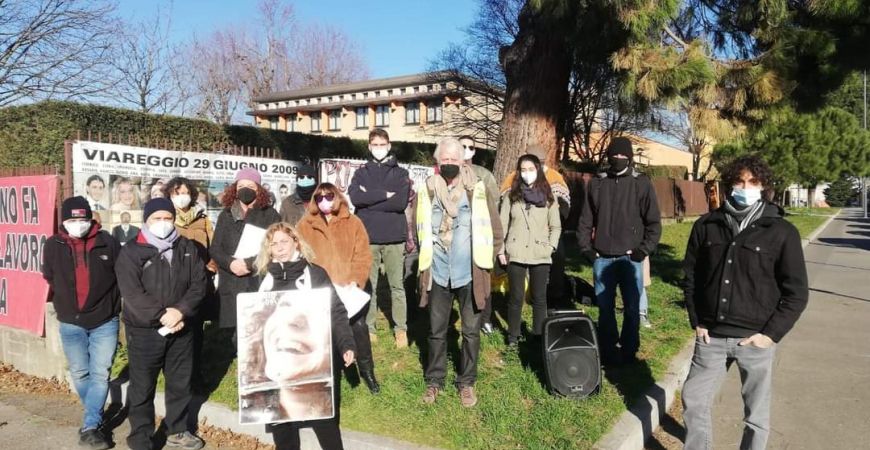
{"x":285,"y":356}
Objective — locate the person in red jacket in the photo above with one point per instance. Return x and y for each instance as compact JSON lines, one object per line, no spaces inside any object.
{"x":78,"y":266}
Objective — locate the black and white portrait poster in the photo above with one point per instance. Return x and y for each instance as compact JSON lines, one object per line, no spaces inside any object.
{"x":285,"y":356}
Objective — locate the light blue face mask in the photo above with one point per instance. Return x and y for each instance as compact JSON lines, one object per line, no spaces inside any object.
{"x":305,"y":182}
{"x":746,"y":197}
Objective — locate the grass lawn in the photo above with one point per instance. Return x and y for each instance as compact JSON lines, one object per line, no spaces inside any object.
{"x":808,"y":219}
{"x":514,"y":409}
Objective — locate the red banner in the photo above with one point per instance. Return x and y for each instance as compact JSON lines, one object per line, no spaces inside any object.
{"x":27,"y":216}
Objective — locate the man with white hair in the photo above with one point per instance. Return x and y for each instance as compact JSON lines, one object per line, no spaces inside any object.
{"x":459,"y":232}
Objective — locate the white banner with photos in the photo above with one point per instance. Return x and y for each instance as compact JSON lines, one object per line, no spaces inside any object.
{"x":340,"y":173}
{"x":285,"y":356}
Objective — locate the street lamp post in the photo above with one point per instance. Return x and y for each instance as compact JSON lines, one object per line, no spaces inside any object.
{"x":864,"y":179}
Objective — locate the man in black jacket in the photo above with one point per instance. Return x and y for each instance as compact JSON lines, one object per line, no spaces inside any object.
{"x":79,"y":267}
{"x":125,"y":232}
{"x":162,"y":279}
{"x":745,"y":287}
{"x":619,"y":226}
{"x":379,"y":193}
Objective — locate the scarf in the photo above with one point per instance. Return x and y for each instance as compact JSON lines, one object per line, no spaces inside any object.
{"x":449,"y":200}
{"x":183,"y":219}
{"x":739,"y":219}
{"x":164,"y":246}
{"x":285,"y":274}
{"x":533,"y":197}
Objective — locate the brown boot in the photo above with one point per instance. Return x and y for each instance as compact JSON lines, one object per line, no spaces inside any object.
{"x":467,"y":397}
{"x":401,"y":339}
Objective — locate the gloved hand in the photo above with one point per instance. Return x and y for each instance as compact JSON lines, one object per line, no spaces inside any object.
{"x":637,"y":255}
{"x":589,"y":255}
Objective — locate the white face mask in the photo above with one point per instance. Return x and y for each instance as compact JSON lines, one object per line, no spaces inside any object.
{"x":77,"y":228}
{"x":380,"y":153}
{"x":529,"y":177}
{"x":746,"y":197}
{"x":469,"y":153}
{"x":161,"y":228}
{"x":181,"y":201}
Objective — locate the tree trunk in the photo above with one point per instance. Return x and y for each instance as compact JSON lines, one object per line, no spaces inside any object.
{"x":537,"y":70}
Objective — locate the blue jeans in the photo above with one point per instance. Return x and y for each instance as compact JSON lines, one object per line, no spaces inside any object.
{"x":611,"y":272}
{"x":644,"y":301}
{"x":89,"y":354}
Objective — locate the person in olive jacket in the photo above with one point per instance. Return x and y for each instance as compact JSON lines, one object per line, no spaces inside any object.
{"x":745,"y":287}
{"x":79,"y":267}
{"x":162,"y":279}
{"x":530,"y":214}
{"x":245,"y":203}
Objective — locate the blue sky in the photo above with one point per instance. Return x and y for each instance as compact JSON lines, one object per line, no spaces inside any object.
{"x":398,"y":37}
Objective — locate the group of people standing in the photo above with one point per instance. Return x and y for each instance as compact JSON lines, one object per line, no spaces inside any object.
{"x":459,"y":225}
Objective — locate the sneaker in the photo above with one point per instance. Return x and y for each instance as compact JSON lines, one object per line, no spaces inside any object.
{"x":373,"y":337}
{"x":93,"y":439}
{"x":401,"y":339}
{"x":185,"y":440}
{"x":467,"y":397}
{"x":644,"y":321}
{"x":431,"y":394}
{"x":486,"y":328}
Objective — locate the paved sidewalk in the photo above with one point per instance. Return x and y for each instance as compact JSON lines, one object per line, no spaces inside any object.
{"x":821,"y":385}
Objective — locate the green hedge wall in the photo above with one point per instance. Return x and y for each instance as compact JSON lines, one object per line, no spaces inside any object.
{"x":34,"y":135}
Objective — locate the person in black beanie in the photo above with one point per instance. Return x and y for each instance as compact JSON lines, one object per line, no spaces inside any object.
{"x":293,"y":206}
{"x":162,"y":278}
{"x":78,"y":265}
{"x":620,"y":226}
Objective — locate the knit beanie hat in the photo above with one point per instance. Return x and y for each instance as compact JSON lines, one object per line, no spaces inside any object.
{"x":307,"y":171}
{"x":248,"y":173}
{"x":76,"y":208}
{"x":158,"y":204}
{"x":620,"y":146}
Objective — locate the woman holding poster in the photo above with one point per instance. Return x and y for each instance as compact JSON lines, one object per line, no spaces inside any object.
{"x":340,"y":241}
{"x":246,"y":205}
{"x":283,"y":266}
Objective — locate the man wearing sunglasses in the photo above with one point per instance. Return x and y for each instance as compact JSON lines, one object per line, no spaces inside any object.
{"x":379,"y":191}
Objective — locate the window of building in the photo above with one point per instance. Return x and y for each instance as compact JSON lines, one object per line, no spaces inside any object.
{"x":429,"y":88}
{"x":377,"y":93}
{"x":334,"y":120}
{"x":273,"y":122}
{"x":402,"y":91}
{"x":362,"y":117}
{"x":444,"y":86}
{"x":365,"y":95}
{"x":353,"y":96}
{"x":416,"y":89}
{"x":389,"y":92}
{"x":412,"y":113}
{"x":291,"y":122}
{"x":315,"y":122}
{"x":433,"y":111}
{"x":382,"y":116}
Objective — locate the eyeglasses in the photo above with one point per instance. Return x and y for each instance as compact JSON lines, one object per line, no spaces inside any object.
{"x":328,"y":197}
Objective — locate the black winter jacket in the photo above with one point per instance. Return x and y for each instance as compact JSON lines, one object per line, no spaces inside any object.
{"x":755,"y":281}
{"x":384,"y":218}
{"x":150,"y":284}
{"x":623,"y":212}
{"x":104,"y":299}
{"x":227,"y":234}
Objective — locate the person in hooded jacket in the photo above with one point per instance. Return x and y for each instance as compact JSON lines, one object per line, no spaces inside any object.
{"x":245,"y":203}
{"x":294,"y":206}
{"x":379,"y":192}
{"x":622,"y":213}
{"x":530,"y":214}
{"x":162,"y":279}
{"x":341,"y":245}
{"x":284,"y":264}
{"x":79,"y":266}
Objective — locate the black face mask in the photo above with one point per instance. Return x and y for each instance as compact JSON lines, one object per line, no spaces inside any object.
{"x":305,"y":192}
{"x":618,"y":164}
{"x":449,"y":171}
{"x":246,"y":195}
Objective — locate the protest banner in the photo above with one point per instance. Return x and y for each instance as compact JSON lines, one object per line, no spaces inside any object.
{"x":285,"y":356}
{"x":340,"y":173}
{"x":121,"y":178}
{"x":27,"y":219}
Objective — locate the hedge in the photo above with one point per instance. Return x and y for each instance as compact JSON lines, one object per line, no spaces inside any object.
{"x":32,"y":135}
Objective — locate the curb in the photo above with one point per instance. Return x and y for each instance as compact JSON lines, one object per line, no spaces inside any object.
{"x":637,"y":424}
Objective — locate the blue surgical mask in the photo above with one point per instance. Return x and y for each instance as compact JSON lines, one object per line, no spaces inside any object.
{"x":305,"y":182}
{"x":746,"y":197}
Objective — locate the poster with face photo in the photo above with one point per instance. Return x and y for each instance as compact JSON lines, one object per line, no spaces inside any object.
{"x":95,"y":189}
{"x":285,"y":356}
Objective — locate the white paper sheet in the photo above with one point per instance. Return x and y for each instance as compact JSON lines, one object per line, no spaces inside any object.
{"x":354,"y":298}
{"x":251,"y":241}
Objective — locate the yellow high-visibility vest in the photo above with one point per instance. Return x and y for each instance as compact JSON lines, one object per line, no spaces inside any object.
{"x":481,"y":228}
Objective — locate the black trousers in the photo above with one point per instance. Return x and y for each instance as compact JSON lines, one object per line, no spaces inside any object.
{"x":364,"y":360}
{"x":286,"y":435}
{"x":538,"y":277}
{"x":440,"y":306}
{"x":148,"y":353}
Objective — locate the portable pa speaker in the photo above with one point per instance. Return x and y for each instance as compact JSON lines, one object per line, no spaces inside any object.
{"x":571,"y":361}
